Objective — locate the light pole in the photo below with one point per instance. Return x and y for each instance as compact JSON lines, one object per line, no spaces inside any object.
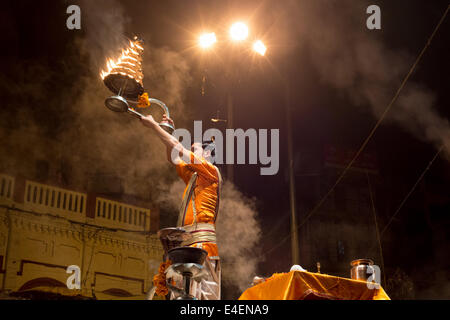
{"x":292,"y":200}
{"x":230,"y":167}
{"x":238,"y":33}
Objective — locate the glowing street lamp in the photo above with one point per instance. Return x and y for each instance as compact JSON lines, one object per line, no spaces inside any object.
{"x":207,"y":40}
{"x":259,"y":47}
{"x":239,"y":31}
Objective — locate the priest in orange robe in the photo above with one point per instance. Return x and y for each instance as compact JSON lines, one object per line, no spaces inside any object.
{"x":200,"y":204}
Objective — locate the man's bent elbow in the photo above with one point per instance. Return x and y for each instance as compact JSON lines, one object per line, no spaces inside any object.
{"x":173,"y":155}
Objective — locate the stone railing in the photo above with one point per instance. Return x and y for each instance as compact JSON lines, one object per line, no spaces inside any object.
{"x":6,"y":189}
{"x":53,"y":200}
{"x":115,"y":214}
{"x":72,"y":205}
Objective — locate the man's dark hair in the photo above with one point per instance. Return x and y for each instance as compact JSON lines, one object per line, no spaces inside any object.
{"x":209,"y":145}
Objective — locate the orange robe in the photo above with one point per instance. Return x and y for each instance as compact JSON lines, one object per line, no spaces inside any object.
{"x":205,"y":196}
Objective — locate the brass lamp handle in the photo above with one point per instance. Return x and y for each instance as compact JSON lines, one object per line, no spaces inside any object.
{"x":161,"y":104}
{"x":152,"y":100}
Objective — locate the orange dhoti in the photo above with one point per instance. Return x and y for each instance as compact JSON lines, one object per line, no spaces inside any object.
{"x":198,"y":216}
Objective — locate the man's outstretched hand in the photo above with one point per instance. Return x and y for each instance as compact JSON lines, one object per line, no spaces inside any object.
{"x":170,"y":141}
{"x":167,"y":119}
{"x":148,"y":121}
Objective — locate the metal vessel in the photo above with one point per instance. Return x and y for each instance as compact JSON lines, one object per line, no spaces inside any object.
{"x":124,"y":77}
{"x":361,"y":269}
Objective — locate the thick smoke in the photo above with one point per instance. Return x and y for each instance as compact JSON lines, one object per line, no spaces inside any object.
{"x":109,"y":152}
{"x":238,"y":232}
{"x":133,"y":151}
{"x":355,"y":61}
{"x":238,"y":236}
{"x":98,"y":141}
{"x":104,"y":22}
{"x":113,"y":144}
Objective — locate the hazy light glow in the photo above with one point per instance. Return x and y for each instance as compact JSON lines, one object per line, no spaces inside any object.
{"x":207,"y":40}
{"x":259,"y":47}
{"x":239,"y":31}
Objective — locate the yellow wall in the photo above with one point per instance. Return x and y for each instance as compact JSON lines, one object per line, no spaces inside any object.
{"x":39,"y":239}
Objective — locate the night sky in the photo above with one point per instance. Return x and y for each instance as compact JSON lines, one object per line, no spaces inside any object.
{"x":42,"y":68}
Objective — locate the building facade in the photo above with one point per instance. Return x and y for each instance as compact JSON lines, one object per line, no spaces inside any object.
{"x":343,"y":228}
{"x":44,"y":229}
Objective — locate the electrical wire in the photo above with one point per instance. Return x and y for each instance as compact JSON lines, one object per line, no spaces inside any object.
{"x":408,"y":194}
{"x":377,"y":230}
{"x":372,"y":132}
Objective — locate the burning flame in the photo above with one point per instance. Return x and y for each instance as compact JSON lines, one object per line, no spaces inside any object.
{"x":128,"y":63}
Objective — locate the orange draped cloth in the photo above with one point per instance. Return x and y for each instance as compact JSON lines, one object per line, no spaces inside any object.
{"x":205,"y":195}
{"x":299,"y":285}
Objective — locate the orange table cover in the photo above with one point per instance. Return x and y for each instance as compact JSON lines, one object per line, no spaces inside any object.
{"x":298,"y":285}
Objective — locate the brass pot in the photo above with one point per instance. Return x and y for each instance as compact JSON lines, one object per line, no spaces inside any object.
{"x":360,"y":268}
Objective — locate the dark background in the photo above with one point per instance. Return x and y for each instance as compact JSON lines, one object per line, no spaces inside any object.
{"x":37,"y":46}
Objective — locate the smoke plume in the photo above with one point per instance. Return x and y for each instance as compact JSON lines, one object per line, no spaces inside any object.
{"x":238,"y":236}
{"x":125,"y":146}
{"x":354,"y":60}
{"x":238,"y":232}
{"x":117,"y":144}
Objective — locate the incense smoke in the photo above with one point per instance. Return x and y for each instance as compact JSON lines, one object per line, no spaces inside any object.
{"x":239,"y":237}
{"x":126,"y":145}
{"x":354,"y":60}
{"x":238,"y":232}
{"x":104,"y":22}
{"x":96,"y":142}
{"x":106,"y":152}
{"x":123,"y":148}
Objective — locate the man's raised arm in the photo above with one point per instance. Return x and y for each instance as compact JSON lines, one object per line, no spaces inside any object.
{"x":169,"y":141}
